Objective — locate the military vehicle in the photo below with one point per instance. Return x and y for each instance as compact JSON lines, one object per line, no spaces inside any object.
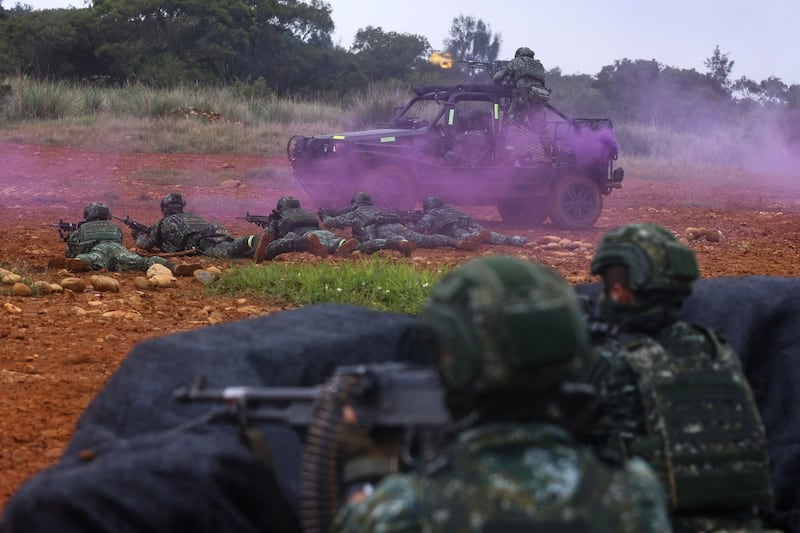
{"x":460,"y":143}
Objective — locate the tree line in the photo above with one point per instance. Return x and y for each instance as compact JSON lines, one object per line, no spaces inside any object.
{"x":285,"y":47}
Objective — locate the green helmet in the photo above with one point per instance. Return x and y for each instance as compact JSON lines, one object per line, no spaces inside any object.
{"x":656,"y":261}
{"x":96,"y":211}
{"x":287,"y":202}
{"x":523,"y":51}
{"x":503,"y":324}
{"x":432,"y":202}
{"x":172,"y":203}
{"x":361,"y":198}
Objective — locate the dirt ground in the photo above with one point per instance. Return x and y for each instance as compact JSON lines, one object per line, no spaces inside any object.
{"x":57,"y":351}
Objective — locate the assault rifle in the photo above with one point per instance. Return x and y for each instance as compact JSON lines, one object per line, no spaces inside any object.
{"x":490,"y":67}
{"x":260,"y":220}
{"x":137,"y":227}
{"x":65,"y":227}
{"x":409,"y":217}
{"x":385,"y":399}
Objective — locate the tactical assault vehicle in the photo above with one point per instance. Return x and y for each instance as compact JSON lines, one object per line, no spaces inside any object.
{"x":460,"y":143}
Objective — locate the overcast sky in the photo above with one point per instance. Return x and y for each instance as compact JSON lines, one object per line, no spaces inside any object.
{"x":581,"y":36}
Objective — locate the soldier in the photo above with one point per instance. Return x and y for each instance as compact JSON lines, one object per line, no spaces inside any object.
{"x":448,"y":220}
{"x":509,"y":338}
{"x":674,"y":393}
{"x":379,"y":230}
{"x":97,"y":244}
{"x":293,"y":229}
{"x":178,"y":231}
{"x":525,"y":75}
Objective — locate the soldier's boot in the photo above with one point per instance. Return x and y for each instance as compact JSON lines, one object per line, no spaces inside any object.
{"x":516,"y":240}
{"x":75,"y":265}
{"x":315,"y":246}
{"x":186,"y":270}
{"x":402,"y":245}
{"x":261,"y":247}
{"x":484,"y":236}
{"x":346,"y":246}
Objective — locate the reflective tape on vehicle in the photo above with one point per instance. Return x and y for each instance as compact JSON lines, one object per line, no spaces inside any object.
{"x":338,"y":137}
{"x":451,"y":117}
{"x":388,"y":139}
{"x":497,"y":111}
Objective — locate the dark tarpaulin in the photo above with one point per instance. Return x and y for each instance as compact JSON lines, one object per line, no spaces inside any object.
{"x":146,"y":475}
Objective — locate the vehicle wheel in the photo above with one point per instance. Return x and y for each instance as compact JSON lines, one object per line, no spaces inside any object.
{"x":575,"y":202}
{"x":531,"y":212}
{"x":391,"y":187}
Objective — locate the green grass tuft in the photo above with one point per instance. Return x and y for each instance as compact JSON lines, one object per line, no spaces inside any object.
{"x":375,"y":282}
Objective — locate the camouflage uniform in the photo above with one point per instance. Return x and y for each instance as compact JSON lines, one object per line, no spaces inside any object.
{"x":447,"y":220}
{"x":97,"y":243}
{"x":509,"y":334}
{"x":525,"y":75}
{"x":179,"y":231}
{"x":378,"y":230}
{"x":674,"y":393}
{"x":293,"y":229}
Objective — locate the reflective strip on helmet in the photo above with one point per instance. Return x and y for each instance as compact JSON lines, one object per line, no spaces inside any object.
{"x":388,"y":139}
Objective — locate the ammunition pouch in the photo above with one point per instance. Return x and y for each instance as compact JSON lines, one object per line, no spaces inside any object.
{"x":90,"y":234}
{"x":296,"y":220}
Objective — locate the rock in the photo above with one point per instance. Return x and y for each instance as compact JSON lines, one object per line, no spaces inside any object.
{"x":164,"y":281}
{"x":205,"y":276}
{"x":4,"y":272}
{"x":230,"y":184}
{"x":11,"y":278}
{"x":551,"y":246}
{"x":42,"y":287}
{"x":216,"y":317}
{"x":145,"y":284}
{"x":56,"y":288}
{"x":11,"y":308}
{"x":214,"y":269}
{"x":73,"y":284}
{"x":105,"y":284}
{"x":546,"y":239}
{"x":127,"y":315}
{"x":20,"y":289}
{"x":157,"y":269}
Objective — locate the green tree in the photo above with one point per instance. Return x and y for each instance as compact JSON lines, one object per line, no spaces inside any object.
{"x":389,"y":55}
{"x":472,"y":39}
{"x":719,"y":67}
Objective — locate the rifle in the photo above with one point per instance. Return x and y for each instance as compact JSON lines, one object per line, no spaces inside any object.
{"x":490,"y":67}
{"x":409,"y":217}
{"x":65,"y":227}
{"x":387,"y":399}
{"x":137,"y":227}
{"x":259,"y":220}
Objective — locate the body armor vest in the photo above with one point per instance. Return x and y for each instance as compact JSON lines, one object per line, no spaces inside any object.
{"x":297,"y":220}
{"x":90,"y":234}
{"x":190,"y":227}
{"x":447,"y":219}
{"x":704,"y":435}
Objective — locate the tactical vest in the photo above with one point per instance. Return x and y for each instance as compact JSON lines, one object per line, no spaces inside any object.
{"x":297,"y":220}
{"x":90,"y":234}
{"x":447,"y":219}
{"x":705,"y":439}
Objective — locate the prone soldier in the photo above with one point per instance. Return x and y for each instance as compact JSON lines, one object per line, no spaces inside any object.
{"x":178,"y":231}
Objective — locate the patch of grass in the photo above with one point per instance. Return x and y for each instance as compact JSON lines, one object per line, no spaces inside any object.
{"x":375,"y":282}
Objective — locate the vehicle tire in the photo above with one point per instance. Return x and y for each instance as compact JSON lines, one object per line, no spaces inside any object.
{"x":391,"y":187}
{"x":530,"y":212}
{"x":575,"y":202}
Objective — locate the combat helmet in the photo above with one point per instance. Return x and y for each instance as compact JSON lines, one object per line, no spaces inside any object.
{"x":361,"y":198}
{"x":96,"y":211}
{"x":523,"y":51}
{"x":172,"y":203}
{"x":287,"y":202}
{"x":503,"y":324}
{"x":657,"y":262}
{"x":432,"y":202}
